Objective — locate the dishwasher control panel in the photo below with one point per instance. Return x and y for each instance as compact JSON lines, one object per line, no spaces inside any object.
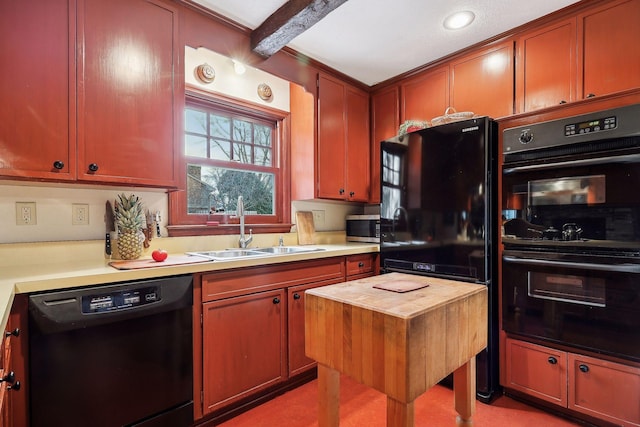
{"x":119,"y":300}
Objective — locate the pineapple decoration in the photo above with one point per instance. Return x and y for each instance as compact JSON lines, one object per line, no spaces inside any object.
{"x":130,"y":220}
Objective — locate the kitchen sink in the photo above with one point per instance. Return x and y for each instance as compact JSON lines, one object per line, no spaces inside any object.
{"x":229,"y":254}
{"x":287,"y":250}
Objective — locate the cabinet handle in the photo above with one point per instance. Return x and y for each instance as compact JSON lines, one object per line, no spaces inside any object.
{"x":361,"y":264}
{"x":296,"y":296}
{"x":10,"y":377}
{"x":563,"y":102}
{"x":15,"y":386}
{"x":583,"y":367}
{"x":341,"y":191}
{"x":552,"y":360}
{"x":15,"y":333}
{"x":276,"y":300}
{"x":93,"y":167}
{"x":351,"y":194}
{"x":58,"y":164}
{"x":591,"y":95}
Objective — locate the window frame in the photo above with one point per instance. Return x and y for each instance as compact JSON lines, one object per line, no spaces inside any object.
{"x":183,"y":224}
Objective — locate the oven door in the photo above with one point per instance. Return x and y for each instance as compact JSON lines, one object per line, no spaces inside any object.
{"x":588,"y":302}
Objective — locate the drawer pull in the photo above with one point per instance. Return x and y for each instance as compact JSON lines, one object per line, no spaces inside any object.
{"x":552,"y":360}
{"x":15,"y":333}
{"x":361,"y":264}
{"x":583,"y":367}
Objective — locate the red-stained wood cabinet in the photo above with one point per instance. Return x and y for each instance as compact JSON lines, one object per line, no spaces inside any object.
{"x":482,"y":81}
{"x":90,"y":91}
{"x":601,"y":389}
{"x":385,"y":120}
{"x":343,"y":141}
{"x":425,"y":96}
{"x":38,"y":89}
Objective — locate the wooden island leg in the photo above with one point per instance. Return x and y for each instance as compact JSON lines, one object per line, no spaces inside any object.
{"x":464,"y":392}
{"x":399,"y":414}
{"x":328,"y":396}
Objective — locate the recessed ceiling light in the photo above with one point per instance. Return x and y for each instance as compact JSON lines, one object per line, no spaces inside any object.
{"x":458,"y":20}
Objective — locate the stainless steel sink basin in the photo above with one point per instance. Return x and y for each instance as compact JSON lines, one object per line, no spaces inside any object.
{"x":229,"y":254}
{"x":287,"y":250}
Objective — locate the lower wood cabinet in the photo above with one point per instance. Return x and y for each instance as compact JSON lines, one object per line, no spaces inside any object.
{"x":601,"y":389}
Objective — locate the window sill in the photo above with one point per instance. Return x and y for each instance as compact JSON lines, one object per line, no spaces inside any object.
{"x":225,"y":229}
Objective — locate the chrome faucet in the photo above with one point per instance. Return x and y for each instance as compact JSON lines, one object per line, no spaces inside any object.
{"x":396,"y":215}
{"x":244,"y":241}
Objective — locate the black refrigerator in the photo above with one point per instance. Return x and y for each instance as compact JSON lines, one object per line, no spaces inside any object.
{"x":439,"y":216}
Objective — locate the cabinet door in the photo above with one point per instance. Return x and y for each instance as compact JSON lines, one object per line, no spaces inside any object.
{"x":546,"y":66}
{"x":605,"y":390}
{"x":482,"y":82}
{"x":244,"y":346}
{"x":425,"y":96}
{"x":128,"y":61}
{"x":536,"y":370}
{"x":357,"y":145}
{"x":610,"y":54}
{"x":37,"y":130}
{"x":385,"y":117}
{"x":331,"y":138}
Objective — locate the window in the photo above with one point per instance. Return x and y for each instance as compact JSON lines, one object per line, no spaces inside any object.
{"x":391,"y":183}
{"x":230,"y":150}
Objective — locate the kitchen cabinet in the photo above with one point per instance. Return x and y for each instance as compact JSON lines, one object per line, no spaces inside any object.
{"x":601,"y":389}
{"x":343,"y":141}
{"x":361,"y":266}
{"x":12,"y":371}
{"x":425,"y":96}
{"x":38,"y":89}
{"x":607,"y":51}
{"x":482,"y":81}
{"x":385,"y":116}
{"x":128,"y":73}
{"x":253,"y":328}
{"x":546,"y":66}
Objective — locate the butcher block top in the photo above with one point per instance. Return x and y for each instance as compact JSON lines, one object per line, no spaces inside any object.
{"x":398,"y":342}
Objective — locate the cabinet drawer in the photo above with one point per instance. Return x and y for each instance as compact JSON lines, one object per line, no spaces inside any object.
{"x":360,"y":264}
{"x":536,"y":370}
{"x":255,"y":279}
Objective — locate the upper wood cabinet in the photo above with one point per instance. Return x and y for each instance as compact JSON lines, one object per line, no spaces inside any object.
{"x":546,"y":66}
{"x":608,"y":49}
{"x":385,"y":117}
{"x":38,"y":90}
{"x":343,"y":141}
{"x":128,"y":58}
{"x":425,"y":96}
{"x":482,"y":81}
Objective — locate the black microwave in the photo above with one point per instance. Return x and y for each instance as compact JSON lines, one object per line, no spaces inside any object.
{"x":363,"y":228}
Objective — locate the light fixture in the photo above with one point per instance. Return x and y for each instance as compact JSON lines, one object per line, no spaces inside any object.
{"x":239,"y":67}
{"x":458,"y":20}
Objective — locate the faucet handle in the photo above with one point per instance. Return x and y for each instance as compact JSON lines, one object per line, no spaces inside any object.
{"x":281,"y":241}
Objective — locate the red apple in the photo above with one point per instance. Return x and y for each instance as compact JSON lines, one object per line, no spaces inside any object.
{"x":159,"y":255}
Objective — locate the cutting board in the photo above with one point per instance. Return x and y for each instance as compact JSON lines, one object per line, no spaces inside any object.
{"x":306,"y":229}
{"x":149,"y":263}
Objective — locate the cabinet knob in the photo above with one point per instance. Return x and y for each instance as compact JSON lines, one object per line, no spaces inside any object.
{"x":276,"y":300}
{"x":15,"y":333}
{"x":341,"y":191}
{"x":93,"y":167}
{"x":583,"y":367}
{"x":351,"y":194}
{"x":563,"y":102}
{"x":552,"y":360}
{"x":58,"y":164}
{"x":10,"y":377}
{"x":591,"y":95}
{"x":296,"y":296}
{"x":361,"y":264}
{"x":15,"y":386}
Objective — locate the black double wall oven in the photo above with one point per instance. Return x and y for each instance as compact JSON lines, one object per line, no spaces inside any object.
{"x":571,"y":232}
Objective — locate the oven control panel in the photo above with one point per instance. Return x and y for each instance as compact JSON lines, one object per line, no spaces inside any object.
{"x":119,"y":300}
{"x":590,"y":126}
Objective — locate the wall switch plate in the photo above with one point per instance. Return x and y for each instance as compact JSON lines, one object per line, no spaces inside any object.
{"x":79,"y":214}
{"x":26,"y":213}
{"x":318,"y":217}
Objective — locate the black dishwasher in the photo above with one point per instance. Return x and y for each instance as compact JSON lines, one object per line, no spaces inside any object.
{"x":112,"y":355}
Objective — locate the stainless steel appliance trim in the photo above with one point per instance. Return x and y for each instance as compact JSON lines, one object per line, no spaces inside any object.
{"x":618,"y":268}
{"x":630,"y":158}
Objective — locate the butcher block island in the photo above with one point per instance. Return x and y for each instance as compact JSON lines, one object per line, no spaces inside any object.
{"x":399,"y":334}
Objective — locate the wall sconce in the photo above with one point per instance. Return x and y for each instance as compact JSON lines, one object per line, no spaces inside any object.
{"x":238,"y":67}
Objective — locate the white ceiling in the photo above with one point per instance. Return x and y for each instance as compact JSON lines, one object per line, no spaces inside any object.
{"x":374,"y":40}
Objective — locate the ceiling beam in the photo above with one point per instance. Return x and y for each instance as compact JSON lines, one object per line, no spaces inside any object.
{"x":291,"y":20}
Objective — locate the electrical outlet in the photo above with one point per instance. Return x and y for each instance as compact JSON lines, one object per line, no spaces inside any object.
{"x":25,"y":213}
{"x":318,"y":217}
{"x":79,"y":214}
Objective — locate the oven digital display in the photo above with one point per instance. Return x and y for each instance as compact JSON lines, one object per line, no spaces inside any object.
{"x":590,"y":126}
